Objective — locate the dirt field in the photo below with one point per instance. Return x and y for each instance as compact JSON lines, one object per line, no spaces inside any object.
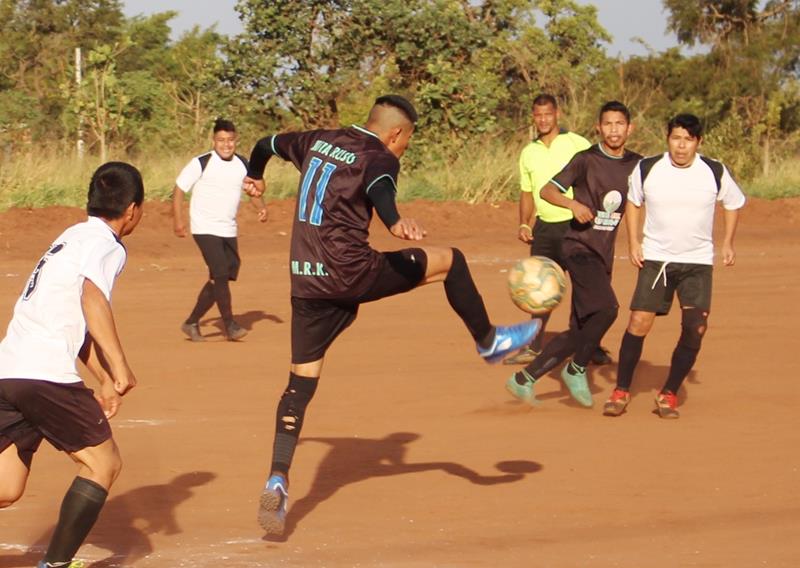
{"x":413,"y":455}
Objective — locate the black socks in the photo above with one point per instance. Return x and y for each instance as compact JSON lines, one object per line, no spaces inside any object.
{"x":79,"y":511}
{"x":289,"y":420}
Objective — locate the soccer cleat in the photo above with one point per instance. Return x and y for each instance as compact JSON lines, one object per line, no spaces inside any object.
{"x":524,"y":357}
{"x":601,"y":356}
{"x":234,"y":331}
{"x":273,"y":504}
{"x":69,"y":564}
{"x":577,"y":383}
{"x":616,"y":403}
{"x":667,"y":405}
{"x":192,"y":331}
{"x":508,"y":339}
{"x":523,"y":392}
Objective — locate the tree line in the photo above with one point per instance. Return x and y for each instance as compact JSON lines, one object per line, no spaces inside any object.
{"x":471,"y":67}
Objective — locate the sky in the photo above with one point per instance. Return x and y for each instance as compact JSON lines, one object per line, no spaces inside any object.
{"x":616,"y":16}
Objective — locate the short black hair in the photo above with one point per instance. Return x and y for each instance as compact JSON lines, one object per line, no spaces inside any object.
{"x":114,"y":186}
{"x":614,"y":106}
{"x":400,"y":103}
{"x":224,"y":125}
{"x":689,"y":122}
{"x":545,"y":99}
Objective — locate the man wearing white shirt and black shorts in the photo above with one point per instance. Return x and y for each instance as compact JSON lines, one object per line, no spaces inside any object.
{"x":215,"y":180}
{"x":680,"y":189}
{"x":64,"y":313}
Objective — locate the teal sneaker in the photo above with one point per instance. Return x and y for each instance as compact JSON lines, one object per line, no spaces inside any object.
{"x":273,"y":504}
{"x":578,"y":384}
{"x":522,"y":392}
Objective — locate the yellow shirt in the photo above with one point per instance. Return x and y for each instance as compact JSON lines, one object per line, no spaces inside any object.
{"x":538,"y":164}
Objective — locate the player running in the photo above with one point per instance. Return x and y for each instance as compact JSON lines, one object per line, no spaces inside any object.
{"x":344,"y":175}
{"x":64,"y":313}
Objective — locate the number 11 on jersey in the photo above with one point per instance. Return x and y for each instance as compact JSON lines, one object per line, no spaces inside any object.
{"x":319,"y":190}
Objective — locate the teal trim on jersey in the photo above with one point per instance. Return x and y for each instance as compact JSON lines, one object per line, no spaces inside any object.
{"x":365,"y":131}
{"x":380,"y":177}
{"x":606,"y":154}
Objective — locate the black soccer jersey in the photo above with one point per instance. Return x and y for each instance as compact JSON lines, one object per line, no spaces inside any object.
{"x":330,"y":253}
{"x":599,"y":181}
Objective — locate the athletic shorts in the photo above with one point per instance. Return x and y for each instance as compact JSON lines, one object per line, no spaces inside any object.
{"x":66,"y":415}
{"x":221,"y":255}
{"x":658,"y":281}
{"x":317,"y":322}
{"x":548,"y":238}
{"x":591,"y":287}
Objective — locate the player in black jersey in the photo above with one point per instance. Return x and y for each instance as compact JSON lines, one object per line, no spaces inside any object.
{"x":599,"y":177}
{"x":345,"y":174}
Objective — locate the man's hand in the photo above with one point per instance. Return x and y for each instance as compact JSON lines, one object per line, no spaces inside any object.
{"x":263,"y":215}
{"x":525,"y":234}
{"x":179,"y":228}
{"x":728,"y":254}
{"x":108,"y":398}
{"x":124,"y":380}
{"x":635,"y":254}
{"x":581,"y":213}
{"x":408,"y":229}
{"x":253,"y":187}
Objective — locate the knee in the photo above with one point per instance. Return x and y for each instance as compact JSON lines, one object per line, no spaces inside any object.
{"x":10,"y":493}
{"x":694,"y":324}
{"x":640,"y":323}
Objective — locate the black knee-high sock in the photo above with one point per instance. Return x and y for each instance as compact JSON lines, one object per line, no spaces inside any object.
{"x":536,"y":345}
{"x":289,"y":420}
{"x":222,"y":295}
{"x":592,"y":331}
{"x":465,"y":299}
{"x":561,"y":347}
{"x":629,"y":354}
{"x":205,"y":299}
{"x":79,"y":511}
{"x":683,"y":359}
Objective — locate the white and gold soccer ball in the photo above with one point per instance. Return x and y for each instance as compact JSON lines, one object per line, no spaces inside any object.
{"x":536,"y":284}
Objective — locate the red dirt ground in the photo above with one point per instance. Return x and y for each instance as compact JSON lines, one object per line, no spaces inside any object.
{"x":413,"y":455}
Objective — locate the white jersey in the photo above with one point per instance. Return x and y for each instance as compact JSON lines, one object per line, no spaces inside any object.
{"x":679,"y":203}
{"x":216,"y":193}
{"x":48,"y":327}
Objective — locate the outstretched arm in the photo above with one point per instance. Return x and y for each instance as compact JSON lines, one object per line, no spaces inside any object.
{"x":100,"y":323}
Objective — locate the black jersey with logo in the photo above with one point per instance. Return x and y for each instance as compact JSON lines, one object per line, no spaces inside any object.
{"x":330,"y":253}
{"x":599,"y":181}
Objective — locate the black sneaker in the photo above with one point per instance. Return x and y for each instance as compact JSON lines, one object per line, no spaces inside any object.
{"x":234,"y":331}
{"x":601,"y":356}
{"x":192,"y":331}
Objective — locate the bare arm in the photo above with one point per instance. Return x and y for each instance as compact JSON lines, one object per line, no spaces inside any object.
{"x":108,"y":397}
{"x":552,"y":194}
{"x":100,"y":323}
{"x":731,"y":220}
{"x":178,"y":226}
{"x":525,"y":229}
{"x":633,"y":216}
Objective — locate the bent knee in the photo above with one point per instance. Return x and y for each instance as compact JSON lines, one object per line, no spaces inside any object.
{"x":640,"y":323}
{"x":10,"y":495}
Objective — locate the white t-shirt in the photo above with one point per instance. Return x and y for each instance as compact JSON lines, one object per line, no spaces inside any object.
{"x":48,"y":327}
{"x":216,"y":193}
{"x":679,"y":203}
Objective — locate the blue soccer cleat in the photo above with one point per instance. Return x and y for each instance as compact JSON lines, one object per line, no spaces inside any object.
{"x":273,"y":505}
{"x":508,"y":339}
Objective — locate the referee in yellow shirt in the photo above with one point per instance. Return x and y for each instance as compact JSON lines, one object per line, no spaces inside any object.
{"x":543,"y":224}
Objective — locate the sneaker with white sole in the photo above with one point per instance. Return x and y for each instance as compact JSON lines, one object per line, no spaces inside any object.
{"x":508,"y":339}
{"x":192,"y":331}
{"x":273,"y":505}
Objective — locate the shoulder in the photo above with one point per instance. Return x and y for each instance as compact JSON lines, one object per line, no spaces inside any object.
{"x":575,"y":139}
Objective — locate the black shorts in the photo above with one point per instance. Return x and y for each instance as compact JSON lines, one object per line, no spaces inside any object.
{"x":548,"y":238}
{"x":591,"y":287}
{"x":221,"y":255}
{"x":66,"y":415}
{"x":317,"y":322}
{"x":657,"y":284}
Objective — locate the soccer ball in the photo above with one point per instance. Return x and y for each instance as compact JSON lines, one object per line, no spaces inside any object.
{"x":536,"y":284}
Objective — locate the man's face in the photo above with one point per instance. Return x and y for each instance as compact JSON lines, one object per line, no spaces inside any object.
{"x":399,"y":142}
{"x":614,"y":129}
{"x":545,"y":118}
{"x":682,"y":146}
{"x":225,"y":144}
